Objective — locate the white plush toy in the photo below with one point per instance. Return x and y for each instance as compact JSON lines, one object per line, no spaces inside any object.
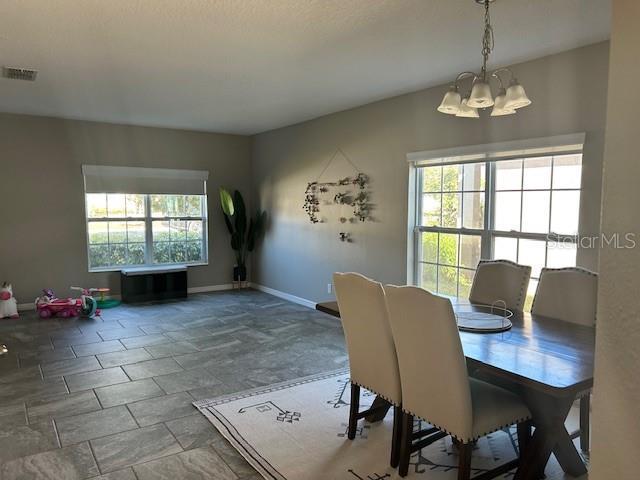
{"x":8,"y":304}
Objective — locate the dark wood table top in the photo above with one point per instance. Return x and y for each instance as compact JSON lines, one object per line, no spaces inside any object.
{"x":539,"y":352}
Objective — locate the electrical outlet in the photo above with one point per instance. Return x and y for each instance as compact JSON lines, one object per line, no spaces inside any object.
{"x":329,"y":287}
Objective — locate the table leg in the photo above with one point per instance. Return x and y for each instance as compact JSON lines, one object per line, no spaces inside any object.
{"x":383,"y":405}
{"x":549,"y":414}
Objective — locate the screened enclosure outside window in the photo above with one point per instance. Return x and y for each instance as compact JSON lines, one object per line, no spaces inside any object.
{"x":125,"y":230}
{"x":525,"y":210}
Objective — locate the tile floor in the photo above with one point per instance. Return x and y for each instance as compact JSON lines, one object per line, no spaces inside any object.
{"x":111,"y":398}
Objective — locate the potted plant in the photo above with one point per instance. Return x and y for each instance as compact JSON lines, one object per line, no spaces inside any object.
{"x":243,"y":237}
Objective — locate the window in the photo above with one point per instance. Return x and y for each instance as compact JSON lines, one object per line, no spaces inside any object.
{"x":521,"y":209}
{"x":145,"y":229}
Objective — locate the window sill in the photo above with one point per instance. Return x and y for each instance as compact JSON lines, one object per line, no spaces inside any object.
{"x":149,"y":268}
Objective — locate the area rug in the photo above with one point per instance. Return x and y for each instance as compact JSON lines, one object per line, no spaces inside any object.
{"x":296,"y":430}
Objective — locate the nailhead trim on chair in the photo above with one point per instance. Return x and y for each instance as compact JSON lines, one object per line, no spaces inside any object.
{"x":468,"y":439}
{"x":392,"y":402}
{"x":523,"y":286}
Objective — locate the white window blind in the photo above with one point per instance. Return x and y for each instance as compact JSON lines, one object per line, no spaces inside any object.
{"x":138,"y":180}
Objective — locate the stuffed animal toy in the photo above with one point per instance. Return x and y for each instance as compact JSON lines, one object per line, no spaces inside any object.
{"x":8,"y":304}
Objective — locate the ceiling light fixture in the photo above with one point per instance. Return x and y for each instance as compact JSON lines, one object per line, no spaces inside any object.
{"x":507,"y":101}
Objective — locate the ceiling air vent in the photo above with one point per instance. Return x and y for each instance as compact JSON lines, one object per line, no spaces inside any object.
{"x":16,"y":73}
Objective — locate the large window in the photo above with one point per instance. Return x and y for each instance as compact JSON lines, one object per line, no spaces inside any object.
{"x":135,"y":229}
{"x":521,"y":209}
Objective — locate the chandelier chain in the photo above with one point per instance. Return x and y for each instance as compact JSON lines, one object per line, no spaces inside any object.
{"x":487,"y":40}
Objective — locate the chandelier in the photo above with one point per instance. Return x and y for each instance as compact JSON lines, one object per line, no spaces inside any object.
{"x":507,"y":101}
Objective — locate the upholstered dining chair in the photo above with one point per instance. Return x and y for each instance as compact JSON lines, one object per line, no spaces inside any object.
{"x":435,"y":385}
{"x":372,"y":353}
{"x":570,"y":294}
{"x":504,"y":280}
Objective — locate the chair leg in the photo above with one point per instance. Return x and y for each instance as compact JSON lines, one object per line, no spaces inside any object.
{"x":396,"y":437}
{"x":464,"y":460}
{"x":406,"y":433}
{"x":353,"y":411}
{"x":585,"y":407}
{"x":524,"y":436}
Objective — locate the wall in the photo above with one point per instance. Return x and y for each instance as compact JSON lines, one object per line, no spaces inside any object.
{"x":616,"y":396}
{"x":43,"y":232}
{"x":569,"y":95}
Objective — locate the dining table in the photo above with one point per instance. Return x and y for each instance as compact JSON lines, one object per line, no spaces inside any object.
{"x":548,"y":362}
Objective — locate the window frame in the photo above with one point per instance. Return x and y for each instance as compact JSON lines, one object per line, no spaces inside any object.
{"x":489,"y":233}
{"x":148,"y":220}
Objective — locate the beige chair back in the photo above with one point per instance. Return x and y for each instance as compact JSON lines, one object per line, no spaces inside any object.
{"x":568,"y":294}
{"x":433,"y":372}
{"x":500,"y":280}
{"x":372,"y":353}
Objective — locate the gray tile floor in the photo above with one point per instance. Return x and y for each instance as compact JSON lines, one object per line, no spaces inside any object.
{"x":111,"y":398}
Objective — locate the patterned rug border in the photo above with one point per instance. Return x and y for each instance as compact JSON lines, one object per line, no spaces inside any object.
{"x":228,"y":431}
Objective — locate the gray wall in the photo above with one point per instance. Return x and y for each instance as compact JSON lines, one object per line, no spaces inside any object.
{"x":43,"y":232}
{"x":616,"y":395}
{"x":569,"y":95}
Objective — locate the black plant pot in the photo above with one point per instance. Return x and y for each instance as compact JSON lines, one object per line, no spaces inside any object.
{"x":240,"y":273}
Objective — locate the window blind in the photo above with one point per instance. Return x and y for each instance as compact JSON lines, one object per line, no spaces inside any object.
{"x":138,"y":180}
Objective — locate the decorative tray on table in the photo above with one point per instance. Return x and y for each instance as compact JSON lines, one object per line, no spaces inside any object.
{"x":484,"y":318}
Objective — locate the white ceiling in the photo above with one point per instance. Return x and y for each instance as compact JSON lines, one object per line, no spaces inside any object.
{"x":246,"y":66}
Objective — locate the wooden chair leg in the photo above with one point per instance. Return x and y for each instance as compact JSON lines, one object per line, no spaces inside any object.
{"x":464,"y":461}
{"x":524,"y":436}
{"x":585,"y":407}
{"x":353,"y":411}
{"x":406,"y":428}
{"x":396,"y":437}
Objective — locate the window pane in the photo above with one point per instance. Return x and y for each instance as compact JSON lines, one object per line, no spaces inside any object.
{"x":451,"y":178}
{"x":116,"y":205}
{"x":448,"y":280}
{"x":505,"y":248}
{"x":565,"y":207}
{"x":469,"y":250}
{"x":117,"y":232}
{"x":160,"y":230}
{"x":567,"y":171}
{"x":99,"y":256}
{"x":159,"y":206}
{"x":98,"y":232}
{"x":161,"y":252}
{"x":474,"y":176}
{"x":448,"y":251}
{"x":178,"y":230}
{"x":194,"y":251}
{"x":428,"y":277}
{"x":178,"y":252}
{"x":431,"y":209}
{"x":135,"y":253}
{"x":96,"y":205}
{"x":532,"y":253}
{"x":537,"y":173}
{"x":561,"y":254}
{"x":135,"y":232}
{"x":531,"y":292}
{"x":176,"y":205}
{"x":535,"y":212}
{"x":509,"y":175}
{"x":194,"y":230}
{"x":429,"y":247}
{"x":465,"y":279}
{"x":118,"y":254}
{"x":193,"y":205}
{"x":507,"y":211}
{"x":135,"y":205}
{"x":432,"y":179}
{"x":451,"y":210}
{"x":473,"y":210}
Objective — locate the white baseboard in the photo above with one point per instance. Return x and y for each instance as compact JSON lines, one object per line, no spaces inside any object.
{"x":286,"y":296}
{"x":26,"y":306}
{"x":210,"y":288}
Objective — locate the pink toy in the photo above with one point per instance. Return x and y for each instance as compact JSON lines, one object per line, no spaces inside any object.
{"x":48,"y":305}
{"x":8,"y":303}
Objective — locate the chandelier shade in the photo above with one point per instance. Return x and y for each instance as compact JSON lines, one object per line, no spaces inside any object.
{"x":451,"y":102}
{"x":466,"y":105}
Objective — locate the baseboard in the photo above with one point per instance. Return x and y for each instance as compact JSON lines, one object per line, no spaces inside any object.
{"x":285,"y":296}
{"x":210,"y":288}
{"x":22,"y":307}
